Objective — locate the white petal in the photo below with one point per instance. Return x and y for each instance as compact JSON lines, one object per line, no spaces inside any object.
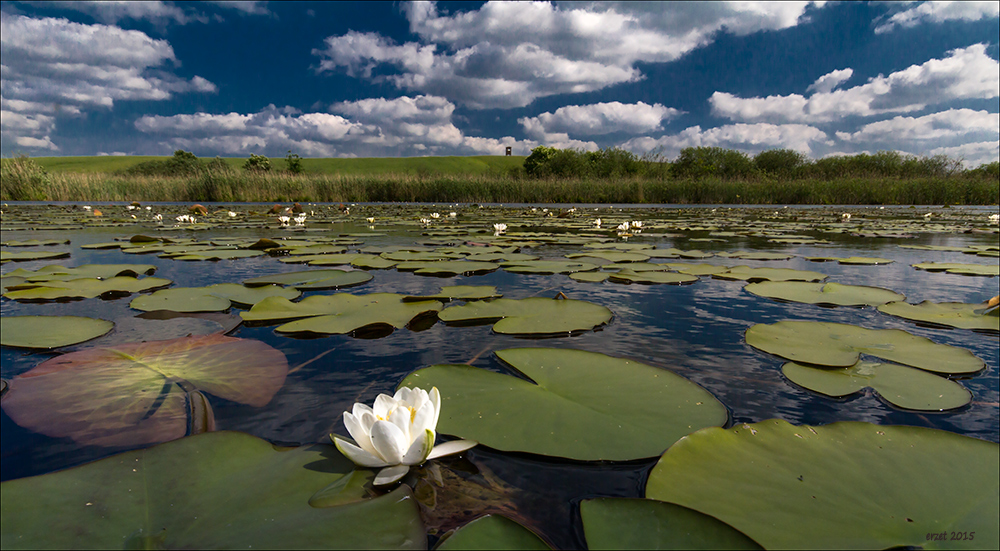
{"x":423,"y":419}
{"x":389,"y":442}
{"x":448,"y":448}
{"x":359,"y":433}
{"x":360,"y":409}
{"x":383,"y":405}
{"x":403,"y":394}
{"x":357,"y":455}
{"x":389,"y":475}
{"x":435,"y":397}
{"x":419,"y":449}
{"x":401,"y":418}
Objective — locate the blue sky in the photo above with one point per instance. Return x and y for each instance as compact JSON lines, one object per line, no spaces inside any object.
{"x":345,"y":79}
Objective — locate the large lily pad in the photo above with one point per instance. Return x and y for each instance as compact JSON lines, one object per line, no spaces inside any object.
{"x":746,"y":273}
{"x":446,"y":267}
{"x":840,"y":345}
{"x":611,"y":256}
{"x":531,"y":316}
{"x":901,"y":386}
{"x":99,"y":271}
{"x":138,"y":393}
{"x":84,"y":288}
{"x":575,"y":404}
{"x":214,"y":490}
{"x":492,"y":532}
{"x":651,"y":277}
{"x":313,"y":279}
{"x":848,"y":485}
{"x":958,"y":268}
{"x":213,"y":298}
{"x":951,"y":314}
{"x":459,"y":292}
{"x":340,"y":313}
{"x":548,"y":267}
{"x":626,"y":523}
{"x":49,"y":332}
{"x":6,"y":256}
{"x":833,"y":294}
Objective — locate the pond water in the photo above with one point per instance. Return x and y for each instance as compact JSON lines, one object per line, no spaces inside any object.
{"x":694,"y":330}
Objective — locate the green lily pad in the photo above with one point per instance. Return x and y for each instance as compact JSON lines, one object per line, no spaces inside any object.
{"x":531,"y":316}
{"x":834,"y":294}
{"x":628,"y":523}
{"x":696,"y":269}
{"x":446,"y":267}
{"x":758,"y":255}
{"x":213,"y":298}
{"x":548,"y":267}
{"x":340,"y":313}
{"x":847,"y":485}
{"x":957,"y":268}
{"x":864,"y":261}
{"x":214,"y":490}
{"x":6,"y":256}
{"x":650,"y":277}
{"x":35,"y":243}
{"x":313,"y":279}
{"x":85,"y":288}
{"x":460,"y":292}
{"x":99,"y":271}
{"x":422,"y":256}
{"x":50,"y":331}
{"x":951,"y":314}
{"x":745,"y":273}
{"x":501,"y":257}
{"x":492,"y":532}
{"x":222,"y":254}
{"x":678,"y":253}
{"x":372,"y":262}
{"x":590,"y":277}
{"x":840,"y":345}
{"x":611,"y":256}
{"x":575,"y":404}
{"x":138,"y":393}
{"x":901,"y":386}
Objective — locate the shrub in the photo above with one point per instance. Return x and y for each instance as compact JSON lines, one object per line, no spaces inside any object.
{"x":613,"y":162}
{"x":699,"y":162}
{"x":22,"y":179}
{"x":780,"y":163}
{"x":293,"y":163}
{"x":538,"y":158}
{"x":257,"y":163}
{"x":183,"y":163}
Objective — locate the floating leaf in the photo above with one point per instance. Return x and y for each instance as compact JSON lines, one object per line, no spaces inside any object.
{"x":492,"y":532}
{"x":213,"y":298}
{"x":840,"y":345}
{"x":99,"y":271}
{"x":627,"y":523}
{"x":848,"y":485}
{"x":460,"y":292}
{"x":340,"y":313}
{"x":133,"y":394}
{"x":957,"y":268}
{"x":696,"y":269}
{"x":746,"y":273}
{"x":446,"y":267}
{"x":214,"y":490}
{"x":50,"y":331}
{"x":6,"y":256}
{"x":650,"y":277}
{"x":313,"y":279}
{"x":864,"y":261}
{"x":575,"y":404}
{"x":85,"y":288}
{"x":901,"y":386}
{"x":678,"y":253}
{"x":35,"y":243}
{"x":951,"y":314}
{"x":611,"y":256}
{"x":531,"y":316}
{"x":548,"y":267}
{"x":756,"y":255}
{"x":590,"y":277}
{"x":834,"y":294}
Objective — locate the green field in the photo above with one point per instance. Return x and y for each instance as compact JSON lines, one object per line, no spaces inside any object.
{"x":477,"y":165}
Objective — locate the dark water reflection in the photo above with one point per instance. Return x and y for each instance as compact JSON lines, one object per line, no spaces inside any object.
{"x":694,"y":330}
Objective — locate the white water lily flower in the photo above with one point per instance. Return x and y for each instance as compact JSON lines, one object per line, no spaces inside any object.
{"x":158,"y":217}
{"x":435,"y":215}
{"x":283,"y":220}
{"x":370,"y":219}
{"x":623,"y":227}
{"x":300,"y":220}
{"x":86,"y":207}
{"x":396,"y":433}
{"x":232,"y":214}
{"x":995,"y":219}
{"x":425,"y":221}
{"x":452,"y":214}
{"x":597,"y":222}
{"x":499,"y":228}
{"x":638,"y":224}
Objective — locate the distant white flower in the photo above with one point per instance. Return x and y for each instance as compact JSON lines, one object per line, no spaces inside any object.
{"x":133,"y":217}
{"x":131,"y":207}
{"x":158,"y":217}
{"x":597,"y":222}
{"x":545,"y":210}
{"x":452,"y":214}
{"x":499,"y":228}
{"x":881,"y":208}
{"x":995,"y":219}
{"x":396,"y":433}
{"x":232,"y":214}
{"x":370,"y":219}
{"x":300,"y":220}
{"x":425,"y":221}
{"x":283,"y":220}
{"x":182,"y":218}
{"x":623,"y":227}
{"x":846,"y":216}
{"x":928,"y":215}
{"x":435,"y":215}
{"x":149,"y":208}
{"x":636,"y":224}
{"x":86,"y":207}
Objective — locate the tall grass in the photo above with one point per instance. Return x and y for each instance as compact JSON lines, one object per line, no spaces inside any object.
{"x":23,"y":182}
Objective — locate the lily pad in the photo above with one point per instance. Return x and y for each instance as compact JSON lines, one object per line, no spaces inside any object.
{"x":834,"y":294}
{"x":590,"y":277}
{"x":340,"y":313}
{"x":313,"y":279}
{"x":492,"y":532}
{"x":460,"y":292}
{"x":951,"y":314}
{"x":548,"y":267}
{"x":531,"y":316}
{"x":446,"y":267}
{"x":628,"y":523}
{"x":138,"y":393}
{"x":864,"y":261}
{"x":840,"y":345}
{"x":650,"y":277}
{"x":213,"y":298}
{"x":611,"y":256}
{"x":695,"y":269}
{"x":574,"y":404}
{"x":756,"y":255}
{"x":214,"y":490}
{"x":745,"y":273}
{"x":49,"y":332}
{"x":847,"y":485}
{"x":6,"y":256}
{"x":99,"y":271}
{"x":901,"y":386}
{"x":957,"y":268}
{"x":85,"y":288}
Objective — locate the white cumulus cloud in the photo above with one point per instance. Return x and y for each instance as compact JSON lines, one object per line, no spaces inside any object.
{"x":599,"y":118}
{"x":750,"y":138}
{"x":937,"y":12}
{"x":943,"y":125}
{"x":966,"y":73}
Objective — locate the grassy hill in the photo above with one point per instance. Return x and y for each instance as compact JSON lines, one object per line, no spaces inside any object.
{"x":482,"y":164}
